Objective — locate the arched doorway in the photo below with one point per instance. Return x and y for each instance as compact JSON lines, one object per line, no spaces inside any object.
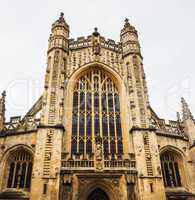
{"x":98,"y":194}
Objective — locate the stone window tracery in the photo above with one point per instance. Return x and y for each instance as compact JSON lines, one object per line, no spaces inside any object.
{"x":170,"y":169}
{"x":96,"y":112}
{"x":20,"y":170}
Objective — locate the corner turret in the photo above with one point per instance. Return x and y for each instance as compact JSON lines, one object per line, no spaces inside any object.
{"x":59,"y":34}
{"x":51,"y":129}
{"x":129,"y":39}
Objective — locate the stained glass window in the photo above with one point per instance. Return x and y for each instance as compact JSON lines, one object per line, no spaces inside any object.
{"x":96,"y":112}
{"x":20,"y":170}
{"x":170,"y":170}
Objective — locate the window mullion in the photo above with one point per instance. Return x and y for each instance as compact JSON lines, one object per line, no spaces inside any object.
{"x":78,"y":116}
{"x":14,"y":174}
{"x":115,"y":130}
{"x":166,"y":181}
{"x":100,"y":104}
{"x":25,"y":178}
{"x":108,"y":119}
{"x":92,"y":111}
{"x":175,"y":176}
{"x":85,"y":118}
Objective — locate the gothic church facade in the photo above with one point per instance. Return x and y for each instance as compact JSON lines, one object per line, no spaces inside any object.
{"x":92,"y":135}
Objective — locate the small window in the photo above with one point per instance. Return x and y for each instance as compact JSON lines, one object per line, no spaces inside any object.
{"x":151,"y":188}
{"x":45,"y":188}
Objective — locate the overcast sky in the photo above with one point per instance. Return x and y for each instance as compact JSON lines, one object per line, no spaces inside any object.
{"x":166,"y":31}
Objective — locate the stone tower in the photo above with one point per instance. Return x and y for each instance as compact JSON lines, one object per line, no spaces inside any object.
{"x":65,"y":59}
{"x":49,"y":137}
{"x":141,"y":132}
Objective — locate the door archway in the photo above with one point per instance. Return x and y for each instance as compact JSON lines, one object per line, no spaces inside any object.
{"x":98,"y":194}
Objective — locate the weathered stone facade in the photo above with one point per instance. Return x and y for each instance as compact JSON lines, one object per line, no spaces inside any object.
{"x":93,"y":134}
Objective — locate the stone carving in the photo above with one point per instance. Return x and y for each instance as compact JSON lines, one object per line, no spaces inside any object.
{"x":148,"y":157}
{"x":159,"y":170}
{"x":99,"y":153}
{"x":61,"y":110}
{"x":96,"y":42}
{"x":186,"y":112}
{"x":115,"y":182}
{"x":99,"y":165}
{"x":48,"y":155}
{"x":154,"y":150}
{"x":67,"y":179}
{"x":96,"y":47}
{"x":130,"y":178}
{"x":50,"y":133}
{"x":139,"y":148}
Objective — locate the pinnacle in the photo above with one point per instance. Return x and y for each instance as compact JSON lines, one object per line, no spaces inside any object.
{"x":178,"y":117}
{"x":2,"y":103}
{"x":3,"y":94}
{"x":61,"y":18}
{"x":186,"y":110}
{"x":126,"y":20}
{"x":96,"y":33}
{"x":61,"y":14}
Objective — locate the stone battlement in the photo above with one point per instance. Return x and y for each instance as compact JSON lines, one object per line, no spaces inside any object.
{"x":83,"y":42}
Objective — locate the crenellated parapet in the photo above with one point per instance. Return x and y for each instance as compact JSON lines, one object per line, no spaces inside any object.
{"x":84,"y":56}
{"x":92,"y":48}
{"x":82,"y":42}
{"x":16,"y":125}
{"x":168,"y":128}
{"x":21,"y":125}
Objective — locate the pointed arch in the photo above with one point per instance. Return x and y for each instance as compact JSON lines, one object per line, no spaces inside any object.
{"x":96,"y":112}
{"x":16,"y":165}
{"x":68,"y":102}
{"x":172,"y":148}
{"x":101,"y":185}
{"x":173,"y":166}
{"x":98,"y":193}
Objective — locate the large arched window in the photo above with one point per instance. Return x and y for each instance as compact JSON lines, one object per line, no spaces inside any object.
{"x":96,"y":113}
{"x":171,"y":164}
{"x":19,"y":169}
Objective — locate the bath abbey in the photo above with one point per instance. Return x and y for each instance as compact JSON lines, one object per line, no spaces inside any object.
{"x":92,"y":134}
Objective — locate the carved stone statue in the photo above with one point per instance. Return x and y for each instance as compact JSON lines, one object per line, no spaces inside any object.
{"x":96,"y":47}
{"x":96,"y":42}
{"x":98,"y":151}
